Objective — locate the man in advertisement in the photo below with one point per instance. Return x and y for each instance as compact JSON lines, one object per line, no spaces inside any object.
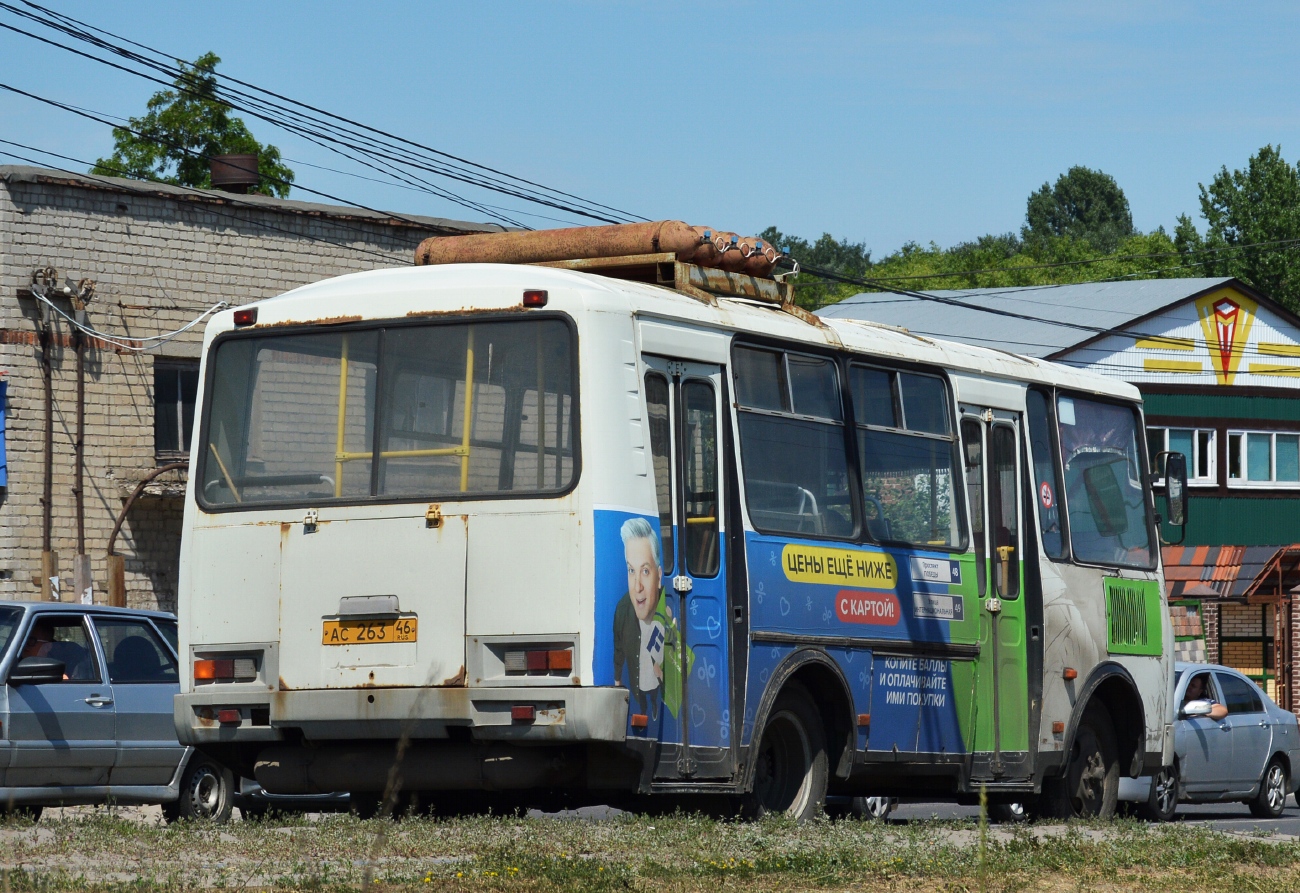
{"x":647,"y":642}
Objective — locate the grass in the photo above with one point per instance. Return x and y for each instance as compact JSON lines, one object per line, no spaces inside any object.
{"x":682,"y":854}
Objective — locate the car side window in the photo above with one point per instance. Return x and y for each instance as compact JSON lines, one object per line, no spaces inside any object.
{"x":63,"y":637}
{"x":135,"y":652}
{"x":169,"y":631}
{"x":1199,"y":688}
{"x":1239,"y":696}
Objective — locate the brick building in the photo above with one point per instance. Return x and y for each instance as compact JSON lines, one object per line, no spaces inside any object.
{"x":159,"y":256}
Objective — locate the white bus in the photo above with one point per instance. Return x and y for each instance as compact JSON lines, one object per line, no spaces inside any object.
{"x":522,"y":529}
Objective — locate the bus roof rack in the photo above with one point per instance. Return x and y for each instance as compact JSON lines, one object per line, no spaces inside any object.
{"x":703,"y":283}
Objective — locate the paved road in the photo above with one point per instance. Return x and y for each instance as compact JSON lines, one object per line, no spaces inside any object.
{"x":1228,"y":817}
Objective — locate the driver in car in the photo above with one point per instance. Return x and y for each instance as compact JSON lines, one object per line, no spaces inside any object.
{"x":1197,"y":691}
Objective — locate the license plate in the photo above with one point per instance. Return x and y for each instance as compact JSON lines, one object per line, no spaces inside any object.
{"x":369,"y":632}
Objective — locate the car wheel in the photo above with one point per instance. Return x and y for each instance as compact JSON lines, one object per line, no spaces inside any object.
{"x":207,"y":793}
{"x":1090,"y":786}
{"x":791,"y":767}
{"x":1005,"y":813}
{"x":877,"y":808}
{"x":1162,"y":802}
{"x":1271,"y":799}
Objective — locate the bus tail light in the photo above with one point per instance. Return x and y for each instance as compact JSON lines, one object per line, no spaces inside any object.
{"x":246,"y":317}
{"x":229,"y":715}
{"x":535,"y":297}
{"x":523,"y":713}
{"x":539,"y":661}
{"x":226,"y":669}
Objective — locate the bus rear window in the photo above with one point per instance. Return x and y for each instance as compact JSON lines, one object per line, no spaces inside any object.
{"x":418,"y":412}
{"x":1105,"y":501}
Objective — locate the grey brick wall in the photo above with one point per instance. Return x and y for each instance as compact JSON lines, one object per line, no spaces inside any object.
{"x":159,"y":257}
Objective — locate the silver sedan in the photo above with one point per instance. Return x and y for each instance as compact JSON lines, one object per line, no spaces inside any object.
{"x":1231,"y":742}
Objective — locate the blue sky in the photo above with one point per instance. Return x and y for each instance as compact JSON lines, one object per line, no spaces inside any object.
{"x":880,"y":123}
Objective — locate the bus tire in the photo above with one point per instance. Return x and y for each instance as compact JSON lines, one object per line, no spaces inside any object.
{"x":791,"y":767}
{"x":1162,"y":802}
{"x":1269,"y":802}
{"x":1089,"y":789}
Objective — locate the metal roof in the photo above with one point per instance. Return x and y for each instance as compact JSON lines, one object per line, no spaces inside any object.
{"x":1093,"y":305}
{"x":1214,"y":571}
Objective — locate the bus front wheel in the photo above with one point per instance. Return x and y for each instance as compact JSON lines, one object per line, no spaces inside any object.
{"x":791,"y":767}
{"x":1090,"y":786}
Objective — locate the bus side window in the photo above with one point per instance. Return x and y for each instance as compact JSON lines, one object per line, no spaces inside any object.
{"x":792,"y":443}
{"x":1047,"y":473}
{"x":656,"y":399}
{"x":972,"y":439}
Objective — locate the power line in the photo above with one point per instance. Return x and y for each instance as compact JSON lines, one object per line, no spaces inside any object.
{"x":199,"y":155}
{"x":315,"y":129}
{"x":84,"y":35}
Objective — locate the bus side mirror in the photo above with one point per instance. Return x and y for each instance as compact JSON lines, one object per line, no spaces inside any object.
{"x":1175,"y":475}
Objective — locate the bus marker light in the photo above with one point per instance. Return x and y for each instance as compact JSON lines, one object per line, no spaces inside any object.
{"x":534,"y":297}
{"x":246,"y":316}
{"x":864,"y":719}
{"x":214,"y":669}
{"x":523,"y":713}
{"x":1058,"y":728}
{"x":640,"y":720}
{"x":1069,"y":673}
{"x":229,"y":715}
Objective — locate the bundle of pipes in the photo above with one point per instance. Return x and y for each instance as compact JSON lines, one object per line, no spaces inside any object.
{"x":700,"y":245}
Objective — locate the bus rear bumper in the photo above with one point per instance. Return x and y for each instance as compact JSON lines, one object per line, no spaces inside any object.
{"x":560,"y":714}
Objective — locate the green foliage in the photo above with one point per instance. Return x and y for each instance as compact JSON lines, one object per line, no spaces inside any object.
{"x":1084,"y":204}
{"x":182,"y":130}
{"x":1255,"y":207}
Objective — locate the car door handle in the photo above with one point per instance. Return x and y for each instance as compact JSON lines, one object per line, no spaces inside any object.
{"x":1225,"y":727}
{"x":99,"y":701}
{"x":1263,"y":723}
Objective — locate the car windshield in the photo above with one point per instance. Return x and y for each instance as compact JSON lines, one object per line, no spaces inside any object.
{"x":9,"y":618}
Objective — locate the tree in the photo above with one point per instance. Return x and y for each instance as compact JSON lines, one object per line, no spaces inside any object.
{"x":183,"y":129}
{"x":1084,"y":204}
{"x":1248,"y":213}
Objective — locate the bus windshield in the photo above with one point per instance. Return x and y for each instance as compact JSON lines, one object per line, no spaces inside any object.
{"x":394,"y":412}
{"x":1104,"y":498}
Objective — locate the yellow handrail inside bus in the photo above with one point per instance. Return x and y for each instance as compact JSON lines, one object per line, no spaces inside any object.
{"x":341,"y":455}
{"x":224,"y":473}
{"x":343,"y":413}
{"x":469,"y":409}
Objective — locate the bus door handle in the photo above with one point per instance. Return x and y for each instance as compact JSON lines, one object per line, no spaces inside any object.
{"x":683,"y":584}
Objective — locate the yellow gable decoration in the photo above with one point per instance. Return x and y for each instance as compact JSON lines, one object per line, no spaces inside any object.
{"x":1226,"y":317}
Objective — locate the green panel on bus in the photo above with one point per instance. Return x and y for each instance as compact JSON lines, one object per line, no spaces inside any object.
{"x":1133,"y":616}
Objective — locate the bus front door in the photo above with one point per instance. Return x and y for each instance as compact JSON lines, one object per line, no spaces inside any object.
{"x":684,"y":401}
{"x":991,"y":445}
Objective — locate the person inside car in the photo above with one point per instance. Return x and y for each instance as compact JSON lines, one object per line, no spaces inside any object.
{"x":1198,"y":690}
{"x":41,"y":642}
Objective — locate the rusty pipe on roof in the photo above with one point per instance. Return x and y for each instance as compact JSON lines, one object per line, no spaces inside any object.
{"x":663,"y":236}
{"x":729,"y":256}
{"x":760,"y":256}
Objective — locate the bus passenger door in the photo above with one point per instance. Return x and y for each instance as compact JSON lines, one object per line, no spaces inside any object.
{"x":694,"y":697}
{"x":991,"y":449}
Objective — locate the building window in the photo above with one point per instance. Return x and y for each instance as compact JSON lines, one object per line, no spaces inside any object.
{"x":175,"y":385}
{"x":1263,"y":459}
{"x":1197,"y":444}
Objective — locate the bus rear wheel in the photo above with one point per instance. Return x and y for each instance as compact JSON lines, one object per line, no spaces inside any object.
{"x":1089,"y":789}
{"x":791,"y":767}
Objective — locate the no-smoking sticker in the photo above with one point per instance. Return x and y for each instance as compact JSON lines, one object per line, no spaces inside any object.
{"x":1045,"y":494}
